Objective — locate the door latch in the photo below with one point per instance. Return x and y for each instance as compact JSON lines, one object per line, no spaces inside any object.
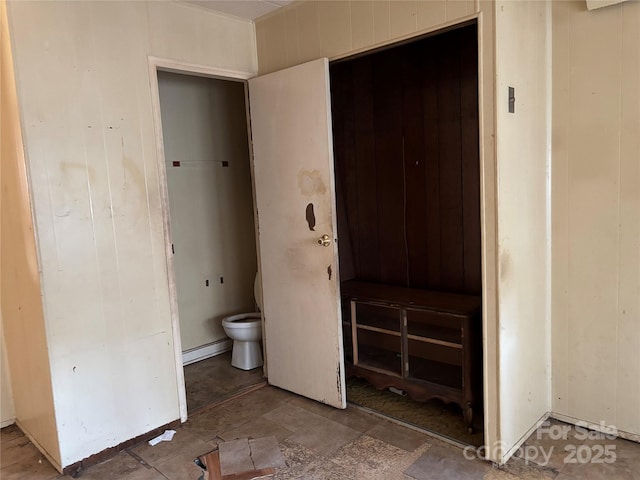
{"x":324,"y":240}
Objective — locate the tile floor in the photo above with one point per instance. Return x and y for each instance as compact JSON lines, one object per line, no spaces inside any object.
{"x":212,"y":380}
{"x":322,"y":443}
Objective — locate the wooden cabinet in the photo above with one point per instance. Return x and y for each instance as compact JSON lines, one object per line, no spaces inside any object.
{"x":427,"y":343}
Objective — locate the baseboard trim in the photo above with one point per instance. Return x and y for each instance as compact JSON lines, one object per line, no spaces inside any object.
{"x":76,"y":468}
{"x":8,"y":423}
{"x":509,"y":453}
{"x":633,"y":437}
{"x":206,"y":351}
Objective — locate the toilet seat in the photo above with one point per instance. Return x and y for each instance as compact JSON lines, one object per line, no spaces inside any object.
{"x":242,"y":320}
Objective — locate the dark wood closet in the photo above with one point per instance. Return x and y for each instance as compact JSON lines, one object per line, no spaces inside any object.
{"x":406,"y":147}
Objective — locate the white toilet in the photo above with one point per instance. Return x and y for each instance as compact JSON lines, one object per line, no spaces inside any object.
{"x":245,"y":329}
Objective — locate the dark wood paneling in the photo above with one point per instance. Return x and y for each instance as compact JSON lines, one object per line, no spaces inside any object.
{"x":346,"y":169}
{"x":366,"y":162}
{"x":429,"y":79}
{"x":388,"y":120}
{"x":407,"y":158}
{"x":450,"y":163}
{"x":471,"y":160}
{"x":415,"y":168}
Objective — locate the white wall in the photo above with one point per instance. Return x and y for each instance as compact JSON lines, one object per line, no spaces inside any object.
{"x":522,"y":62}
{"x":23,"y":329}
{"x":596,"y":214}
{"x":85,"y":102}
{"x":212,"y":227}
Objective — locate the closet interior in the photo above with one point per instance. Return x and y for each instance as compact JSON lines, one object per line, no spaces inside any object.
{"x":406,"y":149}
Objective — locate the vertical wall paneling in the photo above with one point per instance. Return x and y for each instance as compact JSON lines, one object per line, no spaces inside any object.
{"x":334,"y":20}
{"x":389,"y":150}
{"x":362,"y":28}
{"x":381,"y":21}
{"x":470,"y":161}
{"x":84,"y":95}
{"x":415,"y":207}
{"x":309,"y":43}
{"x":344,"y":140}
{"x":596,"y":214}
{"x":598,"y":277}
{"x":403,"y":17}
{"x":291,"y":26}
{"x":450,"y":164}
{"x":431,"y":134}
{"x":522,"y":63}
{"x":415,"y":160}
{"x":559,"y":217}
{"x":431,"y":13}
{"x":366,"y":168}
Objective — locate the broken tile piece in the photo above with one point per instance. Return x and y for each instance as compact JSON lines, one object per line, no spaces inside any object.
{"x":265,"y":453}
{"x":235,"y":457}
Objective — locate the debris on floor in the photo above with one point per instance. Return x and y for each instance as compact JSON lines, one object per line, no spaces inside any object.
{"x":243,"y":459}
{"x":167,"y":436}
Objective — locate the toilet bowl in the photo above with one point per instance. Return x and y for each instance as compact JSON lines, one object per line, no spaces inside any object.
{"x":245,"y":329}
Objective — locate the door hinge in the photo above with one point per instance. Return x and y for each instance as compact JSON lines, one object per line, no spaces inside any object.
{"x":173,"y":250}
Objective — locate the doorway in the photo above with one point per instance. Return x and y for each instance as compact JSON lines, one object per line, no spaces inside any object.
{"x":212,"y":235}
{"x":406,"y":151}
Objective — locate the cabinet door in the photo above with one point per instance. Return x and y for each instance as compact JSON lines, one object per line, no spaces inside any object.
{"x":295,"y":200}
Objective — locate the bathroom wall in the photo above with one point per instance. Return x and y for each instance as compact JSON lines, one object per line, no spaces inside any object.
{"x":596,"y":214}
{"x":204,"y":128}
{"x":82,"y":75}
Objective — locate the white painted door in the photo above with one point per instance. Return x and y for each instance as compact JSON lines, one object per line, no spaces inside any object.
{"x":295,"y":200}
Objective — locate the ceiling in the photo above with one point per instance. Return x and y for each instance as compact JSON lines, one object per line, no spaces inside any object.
{"x":249,"y":9}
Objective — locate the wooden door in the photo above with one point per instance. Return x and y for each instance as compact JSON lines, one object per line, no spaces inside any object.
{"x":295,"y":200}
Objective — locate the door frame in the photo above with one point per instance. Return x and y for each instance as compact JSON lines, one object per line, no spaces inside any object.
{"x":488,"y":213}
{"x":157,"y":64}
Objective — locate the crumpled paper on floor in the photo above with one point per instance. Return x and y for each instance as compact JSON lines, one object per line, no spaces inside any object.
{"x":167,"y":436}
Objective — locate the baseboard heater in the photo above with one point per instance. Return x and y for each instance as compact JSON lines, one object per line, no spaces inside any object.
{"x":206,"y":351}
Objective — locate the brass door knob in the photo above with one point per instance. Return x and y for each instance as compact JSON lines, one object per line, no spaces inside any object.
{"x":324,"y":241}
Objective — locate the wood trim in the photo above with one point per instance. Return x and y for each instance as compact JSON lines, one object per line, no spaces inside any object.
{"x":379,"y":330}
{"x":176,"y":66}
{"x":354,"y":332}
{"x":170,"y":65}
{"x":434,"y":341}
